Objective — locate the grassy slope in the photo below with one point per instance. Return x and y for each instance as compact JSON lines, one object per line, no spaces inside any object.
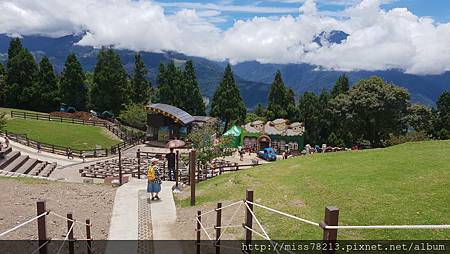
{"x":404,"y":184}
{"x":8,"y":111}
{"x":65,"y":134}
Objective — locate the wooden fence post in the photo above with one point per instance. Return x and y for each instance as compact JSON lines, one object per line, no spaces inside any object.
{"x":192,"y":164}
{"x":88,"y":236}
{"x":138,"y":154}
{"x":177,"y":168}
{"x":331,"y":218}
{"x":42,"y":227}
{"x":164,"y":171}
{"x":248,"y":219}
{"x":70,"y":239}
{"x":120,"y":167}
{"x":218,"y":226}
{"x":199,"y":216}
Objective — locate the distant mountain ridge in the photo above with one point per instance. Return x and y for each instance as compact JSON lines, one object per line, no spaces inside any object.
{"x":253,"y":78}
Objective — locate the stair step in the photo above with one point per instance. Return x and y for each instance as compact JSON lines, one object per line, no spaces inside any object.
{"x":48,"y":170}
{"x":4,"y":152}
{"x":37,"y":169}
{"x":10,"y":157}
{"x":17,"y":163}
{"x":27,"y":166}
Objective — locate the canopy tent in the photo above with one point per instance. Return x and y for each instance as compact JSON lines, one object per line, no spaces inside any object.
{"x":236,"y":133}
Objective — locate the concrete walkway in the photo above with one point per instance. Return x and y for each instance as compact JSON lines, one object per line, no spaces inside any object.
{"x":125,"y":218}
{"x":164,"y":219}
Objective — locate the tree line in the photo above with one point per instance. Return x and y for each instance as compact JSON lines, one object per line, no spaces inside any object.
{"x":28,"y":85}
{"x":371,"y":112}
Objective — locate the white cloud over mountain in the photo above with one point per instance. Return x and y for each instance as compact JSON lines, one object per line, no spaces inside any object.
{"x":379,"y":39}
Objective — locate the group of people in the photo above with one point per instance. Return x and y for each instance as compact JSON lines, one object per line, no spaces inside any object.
{"x":321,"y":149}
{"x":154,"y":174}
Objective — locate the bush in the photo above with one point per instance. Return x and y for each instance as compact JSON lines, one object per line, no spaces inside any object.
{"x":411,"y":136}
{"x":134,"y":115}
{"x":2,"y":119}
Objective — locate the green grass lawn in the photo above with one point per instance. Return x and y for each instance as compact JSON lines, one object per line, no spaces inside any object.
{"x":76,"y":136}
{"x":8,"y":111}
{"x":404,"y":184}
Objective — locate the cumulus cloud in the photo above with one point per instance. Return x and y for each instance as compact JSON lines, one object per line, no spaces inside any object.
{"x":379,"y":39}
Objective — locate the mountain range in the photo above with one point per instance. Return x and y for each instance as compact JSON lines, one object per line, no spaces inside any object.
{"x":253,"y":78}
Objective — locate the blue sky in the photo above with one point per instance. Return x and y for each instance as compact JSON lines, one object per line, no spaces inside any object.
{"x":228,"y":10}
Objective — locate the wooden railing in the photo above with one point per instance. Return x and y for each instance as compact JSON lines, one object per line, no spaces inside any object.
{"x":116,"y":129}
{"x":48,"y":117}
{"x":52,"y":148}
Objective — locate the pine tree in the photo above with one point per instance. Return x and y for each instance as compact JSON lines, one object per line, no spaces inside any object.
{"x":22,"y":74}
{"x":15,"y":46}
{"x":341,"y":86}
{"x":110,"y":82}
{"x":176,"y":86}
{"x":2,"y":85}
{"x":140,"y":86}
{"x":442,"y":125}
{"x":227,"y":103}
{"x":72,"y":88}
{"x":161,"y":81}
{"x":193,"y":100}
{"x":260,"y":110}
{"x":326,"y":123}
{"x":45,"y":92}
{"x":171,"y":89}
{"x":308,"y":105}
{"x":291,"y":107}
{"x":277,"y":99}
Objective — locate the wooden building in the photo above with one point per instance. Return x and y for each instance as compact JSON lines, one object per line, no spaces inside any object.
{"x":166,"y":122}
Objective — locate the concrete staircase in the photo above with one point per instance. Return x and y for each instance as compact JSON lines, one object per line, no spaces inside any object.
{"x":13,"y":163}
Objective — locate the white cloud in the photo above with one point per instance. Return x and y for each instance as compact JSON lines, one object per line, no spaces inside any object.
{"x":379,"y":39}
{"x":226,"y":7}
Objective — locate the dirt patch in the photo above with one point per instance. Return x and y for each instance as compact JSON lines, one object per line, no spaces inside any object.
{"x":77,"y":115}
{"x":85,"y":201}
{"x":186,"y":222}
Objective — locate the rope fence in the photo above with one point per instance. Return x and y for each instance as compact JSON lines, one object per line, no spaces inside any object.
{"x":23,"y":224}
{"x":285,"y":214}
{"x":329,"y":225}
{"x":42,"y":230}
{"x":391,"y":227}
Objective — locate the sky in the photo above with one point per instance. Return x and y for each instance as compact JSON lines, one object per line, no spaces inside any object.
{"x":410,"y":35}
{"x":224,"y":15}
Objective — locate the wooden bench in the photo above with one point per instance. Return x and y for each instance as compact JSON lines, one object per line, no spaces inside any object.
{"x":48,"y":169}
{"x":37,"y":169}
{"x":10,"y":157}
{"x":31,"y":163}
{"x":4,"y":152}
{"x":17,"y":163}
